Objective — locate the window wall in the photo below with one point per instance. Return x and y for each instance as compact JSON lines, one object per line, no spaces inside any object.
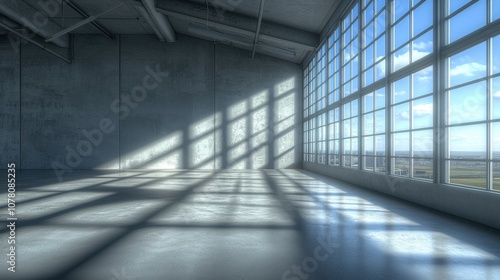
{"x":409,"y":88}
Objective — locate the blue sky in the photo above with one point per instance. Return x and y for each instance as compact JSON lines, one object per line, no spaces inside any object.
{"x":411,"y":42}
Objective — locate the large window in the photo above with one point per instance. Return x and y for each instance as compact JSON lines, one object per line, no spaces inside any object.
{"x":412,"y":125}
{"x":350,"y":48}
{"x":334,"y":136}
{"x":350,"y":134}
{"x":409,"y":88}
{"x":334,"y":67}
{"x":373,"y":41}
{"x":412,"y":36}
{"x":473,"y":92}
{"x":374,"y":123}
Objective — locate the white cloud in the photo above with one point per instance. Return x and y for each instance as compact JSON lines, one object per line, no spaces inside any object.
{"x":402,"y":60}
{"x":423,"y":46}
{"x":468,"y":69}
{"x":496,"y":94}
{"x":422,"y":110}
{"x":400,"y":93}
{"x":404,"y":115}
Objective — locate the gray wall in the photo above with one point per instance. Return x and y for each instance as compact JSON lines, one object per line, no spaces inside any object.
{"x":139,"y":103}
{"x":471,"y":204}
{"x":10,"y":119}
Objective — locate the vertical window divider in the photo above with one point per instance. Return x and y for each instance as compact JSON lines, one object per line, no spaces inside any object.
{"x":437,"y":97}
{"x":360,"y":85}
{"x":489,"y":134}
{"x":388,"y":63}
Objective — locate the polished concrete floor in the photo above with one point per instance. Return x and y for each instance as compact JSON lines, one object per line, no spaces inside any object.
{"x":228,"y":224}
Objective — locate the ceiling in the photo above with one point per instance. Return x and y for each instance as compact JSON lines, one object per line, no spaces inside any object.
{"x":289,"y":29}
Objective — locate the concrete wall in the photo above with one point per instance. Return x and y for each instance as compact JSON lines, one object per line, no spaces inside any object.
{"x":10,"y":119}
{"x":140,"y":103}
{"x":471,"y":204}
{"x":63,"y":103}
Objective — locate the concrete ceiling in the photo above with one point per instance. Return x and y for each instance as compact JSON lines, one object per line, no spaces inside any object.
{"x":289,"y":28}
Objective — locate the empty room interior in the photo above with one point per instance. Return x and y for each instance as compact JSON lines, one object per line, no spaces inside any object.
{"x":250,"y":139}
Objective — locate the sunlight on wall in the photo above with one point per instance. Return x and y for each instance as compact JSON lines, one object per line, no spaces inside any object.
{"x":284,"y":87}
{"x":161,"y":154}
{"x":201,"y":145}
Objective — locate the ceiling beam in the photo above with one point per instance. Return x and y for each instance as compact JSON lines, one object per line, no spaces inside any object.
{"x":7,"y":25}
{"x":160,"y":20}
{"x":259,"y":24}
{"x":78,"y":25}
{"x":276,"y":33}
{"x":95,"y":24}
{"x":32,"y":19}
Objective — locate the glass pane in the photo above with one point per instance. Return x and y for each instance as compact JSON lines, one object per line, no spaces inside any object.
{"x":354,"y":146}
{"x":380,"y":164}
{"x":347,"y":128}
{"x":380,"y":70}
{"x":495,"y":140}
{"x":423,"y":112}
{"x":468,"y":65}
{"x":369,"y":163}
{"x":401,"y":166}
{"x":495,"y":8}
{"x":401,"y":58}
{"x":354,"y":105}
{"x":401,"y":32}
{"x":401,"y":144}
{"x":399,"y":8}
{"x":495,"y":47}
{"x":454,"y":5}
{"x":423,"y":169}
{"x":422,"y":46}
{"x":368,"y":57}
{"x":380,"y":98}
{"x":368,"y":146}
{"x":461,"y":25}
{"x":368,"y":103}
{"x":423,"y":144}
{"x":496,"y":176}
{"x":368,"y":13}
{"x":379,"y":4}
{"x":380,"y":48}
{"x":368,"y":124}
{"x":401,"y":117}
{"x":368,"y":77}
{"x":467,"y":142}
{"x":380,"y":24}
{"x":469,"y":173}
{"x":379,"y":121}
{"x":422,"y":17}
{"x":467,"y":104}
{"x":422,"y":82}
{"x":347,"y":110}
{"x":380,"y":145}
{"x":496,"y":97}
{"x":401,"y":90}
{"x":354,"y":125}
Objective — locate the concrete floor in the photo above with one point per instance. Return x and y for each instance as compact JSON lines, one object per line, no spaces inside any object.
{"x":228,"y":224}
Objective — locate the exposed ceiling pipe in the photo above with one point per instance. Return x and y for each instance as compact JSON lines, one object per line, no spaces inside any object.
{"x":8,"y":9}
{"x":14,"y":31}
{"x":259,"y":23}
{"x":144,"y":14}
{"x":160,"y":20}
{"x":84,"y":14}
